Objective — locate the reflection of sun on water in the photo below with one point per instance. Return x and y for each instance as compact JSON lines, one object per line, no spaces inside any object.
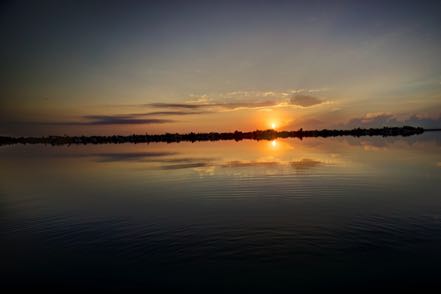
{"x":274,"y":146}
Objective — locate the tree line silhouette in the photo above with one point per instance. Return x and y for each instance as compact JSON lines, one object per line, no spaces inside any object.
{"x":212,"y":136}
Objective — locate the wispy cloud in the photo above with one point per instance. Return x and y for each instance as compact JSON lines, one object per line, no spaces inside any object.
{"x":166,"y":112}
{"x":170,"y":113}
{"x":246,"y":100}
{"x":233,"y":100}
{"x":100,"y":120}
{"x":371,"y":120}
{"x":127,"y":119}
{"x":427,"y":122}
{"x":222,"y":105}
{"x":175,"y":105}
{"x":305,"y":100}
{"x":121,"y":120}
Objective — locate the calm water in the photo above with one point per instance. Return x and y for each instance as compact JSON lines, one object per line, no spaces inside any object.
{"x":223,"y":216}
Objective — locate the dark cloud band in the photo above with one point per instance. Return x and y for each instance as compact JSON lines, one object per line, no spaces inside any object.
{"x":305,"y":100}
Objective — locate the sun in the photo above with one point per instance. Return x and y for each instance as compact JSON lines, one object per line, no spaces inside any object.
{"x":273,"y":125}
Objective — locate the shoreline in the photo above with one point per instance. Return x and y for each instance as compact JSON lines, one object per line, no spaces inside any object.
{"x":214,"y":136}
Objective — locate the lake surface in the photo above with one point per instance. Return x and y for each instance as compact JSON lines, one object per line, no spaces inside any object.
{"x":295,"y":215}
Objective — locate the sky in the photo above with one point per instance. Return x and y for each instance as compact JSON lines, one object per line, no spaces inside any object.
{"x":123,"y":67}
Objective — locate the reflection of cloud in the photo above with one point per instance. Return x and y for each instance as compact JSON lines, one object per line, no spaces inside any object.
{"x":185,"y":162}
{"x":208,"y":170}
{"x":184,"y":165}
{"x":371,"y":144}
{"x":154,"y":157}
{"x":368,"y":147}
{"x":129,"y":156}
{"x":301,"y":164}
{"x":238,"y":163}
{"x":162,"y":158}
{"x":187,"y":159}
{"x":167,"y":159}
{"x":305,"y":100}
{"x":203,"y":165}
{"x":381,"y":143}
{"x":305,"y":163}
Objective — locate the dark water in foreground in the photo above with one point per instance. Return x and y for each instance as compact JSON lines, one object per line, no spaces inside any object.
{"x":326,"y":214}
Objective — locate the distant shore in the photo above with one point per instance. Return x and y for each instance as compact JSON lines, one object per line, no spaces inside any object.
{"x":214,"y":136}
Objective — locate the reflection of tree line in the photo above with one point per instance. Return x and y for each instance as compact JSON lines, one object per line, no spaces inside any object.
{"x":212,"y":136}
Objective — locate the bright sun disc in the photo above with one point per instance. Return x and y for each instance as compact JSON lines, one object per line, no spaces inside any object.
{"x":273,"y":125}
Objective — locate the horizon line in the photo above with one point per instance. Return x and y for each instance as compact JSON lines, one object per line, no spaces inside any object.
{"x":268,"y":134}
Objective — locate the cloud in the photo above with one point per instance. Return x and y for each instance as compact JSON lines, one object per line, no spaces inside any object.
{"x":125,"y":119}
{"x":305,"y":100}
{"x":381,"y":119}
{"x":236,"y":100}
{"x":223,"y":105}
{"x":167,"y":113}
{"x":96,"y":120}
{"x":426,"y":122}
{"x":176,"y":105}
{"x":121,"y":120}
{"x":246,"y":105}
{"x":374,"y":120}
